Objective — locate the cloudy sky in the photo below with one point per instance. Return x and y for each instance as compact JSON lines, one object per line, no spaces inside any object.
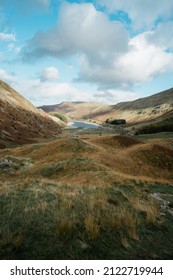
{"x":101,"y":50}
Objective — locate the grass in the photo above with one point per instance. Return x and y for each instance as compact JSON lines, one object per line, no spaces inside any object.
{"x":73,"y":164}
{"x":92,"y":199}
{"x":92,"y":131}
{"x":54,"y":221}
{"x":162,"y":188}
{"x":158,"y":135}
{"x":161,"y":126}
{"x":59,"y":116}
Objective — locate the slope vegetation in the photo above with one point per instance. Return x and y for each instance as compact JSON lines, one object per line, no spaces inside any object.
{"x":20,"y":121}
{"x":104,"y":197}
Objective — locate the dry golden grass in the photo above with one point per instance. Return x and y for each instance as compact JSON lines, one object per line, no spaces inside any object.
{"x":64,"y":226}
{"x":82,"y":192}
{"x":91,"y":226}
{"x":100,"y":160}
{"x":116,"y":141}
{"x":149,"y":206}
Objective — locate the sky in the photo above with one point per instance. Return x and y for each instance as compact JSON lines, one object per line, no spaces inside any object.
{"x":105,"y":51}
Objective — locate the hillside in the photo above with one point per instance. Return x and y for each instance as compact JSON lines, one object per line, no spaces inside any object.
{"x":20,"y":121}
{"x":143,"y":109}
{"x":140,"y":110}
{"x":94,"y":197}
{"x":78,"y":110}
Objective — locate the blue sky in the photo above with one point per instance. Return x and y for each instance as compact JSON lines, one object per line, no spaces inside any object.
{"x":105,"y":51}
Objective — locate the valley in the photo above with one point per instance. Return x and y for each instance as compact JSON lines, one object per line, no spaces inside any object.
{"x":93,"y":193}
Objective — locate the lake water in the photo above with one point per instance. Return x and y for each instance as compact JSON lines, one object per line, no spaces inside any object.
{"x":83,"y":125}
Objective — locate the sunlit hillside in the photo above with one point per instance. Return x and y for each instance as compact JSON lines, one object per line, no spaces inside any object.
{"x":20,"y":121}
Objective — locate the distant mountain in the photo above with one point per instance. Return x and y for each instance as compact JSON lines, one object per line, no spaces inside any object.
{"x":20,"y":121}
{"x":78,"y":110}
{"x":140,"y":110}
{"x":146,"y":109}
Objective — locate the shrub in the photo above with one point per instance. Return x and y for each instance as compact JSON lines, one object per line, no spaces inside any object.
{"x":116,"y":121}
{"x":60,"y":116}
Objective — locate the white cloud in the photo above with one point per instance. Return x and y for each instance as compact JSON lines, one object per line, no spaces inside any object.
{"x":107,"y":56}
{"x":80,"y":29}
{"x":49,"y":74}
{"x":7,"y":37}
{"x":162,"y":36}
{"x":50,"y":93}
{"x":112,"y":96}
{"x":143,"y":61}
{"x":41,"y":93}
{"x":4,"y":76}
{"x":143,"y":13}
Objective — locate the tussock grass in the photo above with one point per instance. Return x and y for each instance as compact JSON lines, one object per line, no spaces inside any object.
{"x":146,"y":205}
{"x":110,"y":156}
{"x":92,"y":227}
{"x":116,"y":142}
{"x":61,"y":217}
{"x":72,"y":199}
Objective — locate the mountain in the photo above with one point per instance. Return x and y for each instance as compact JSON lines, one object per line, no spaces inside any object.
{"x":148,"y":108}
{"x":140,"y":110}
{"x":20,"y":121}
{"x":78,"y":110}
{"x":143,"y":109}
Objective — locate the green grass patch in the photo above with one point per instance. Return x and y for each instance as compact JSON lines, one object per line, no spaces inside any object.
{"x":59,"y":116}
{"x":154,"y":135}
{"x":161,"y":126}
{"x":161,"y":188}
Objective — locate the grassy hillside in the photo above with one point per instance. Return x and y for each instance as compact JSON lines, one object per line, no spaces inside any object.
{"x":155,"y":100}
{"x":104,"y":197}
{"x":77,"y":110}
{"x":20,"y":121}
{"x":161,"y":126}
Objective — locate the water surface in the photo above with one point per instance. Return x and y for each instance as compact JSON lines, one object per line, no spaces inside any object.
{"x":83,"y":125}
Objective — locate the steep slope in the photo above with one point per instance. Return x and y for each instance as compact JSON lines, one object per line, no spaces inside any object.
{"x":20,"y":121}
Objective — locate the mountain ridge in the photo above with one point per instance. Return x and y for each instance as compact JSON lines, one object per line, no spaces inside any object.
{"x":136,"y":111}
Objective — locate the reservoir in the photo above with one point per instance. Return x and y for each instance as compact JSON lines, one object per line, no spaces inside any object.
{"x":82,"y":125}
